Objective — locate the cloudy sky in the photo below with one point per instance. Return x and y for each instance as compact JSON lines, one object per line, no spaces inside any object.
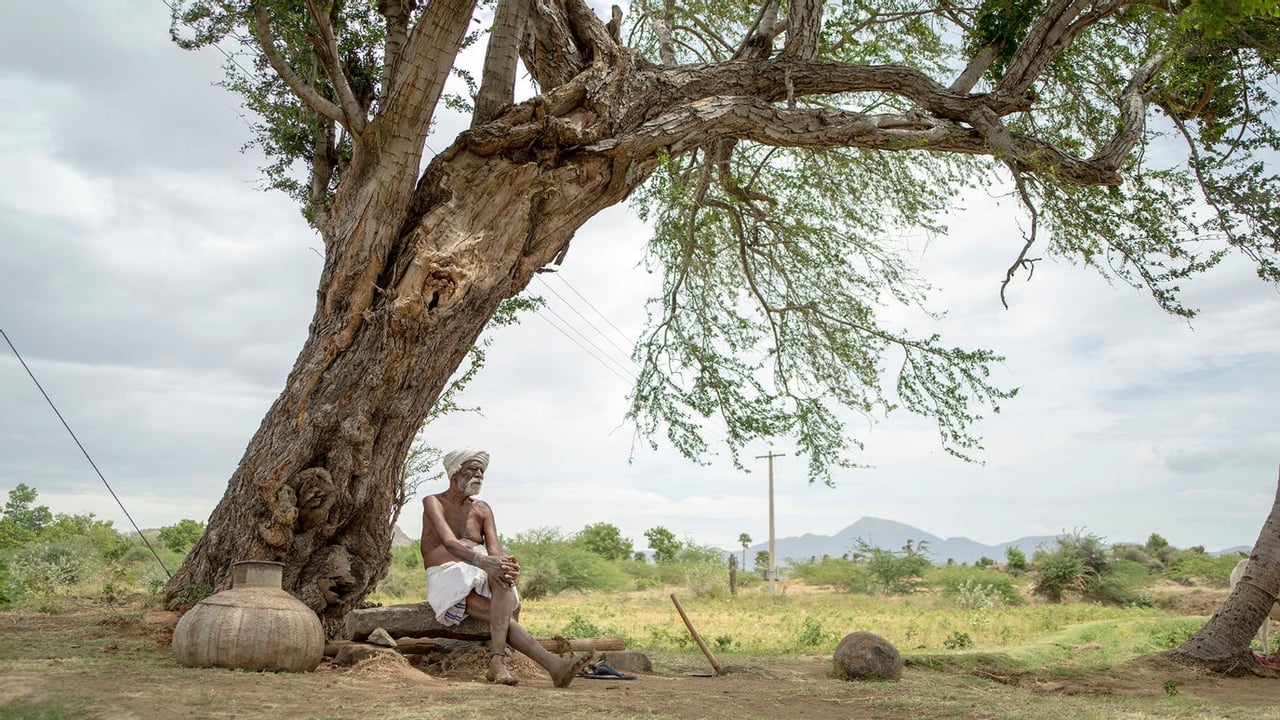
{"x":160,"y":297}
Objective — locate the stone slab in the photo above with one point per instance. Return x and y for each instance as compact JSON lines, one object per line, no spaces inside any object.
{"x":415,"y":620}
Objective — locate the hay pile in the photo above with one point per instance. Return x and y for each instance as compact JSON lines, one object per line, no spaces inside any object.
{"x":473,"y":663}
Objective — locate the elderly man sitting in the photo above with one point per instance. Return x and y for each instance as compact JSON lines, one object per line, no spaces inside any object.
{"x":468,"y":573}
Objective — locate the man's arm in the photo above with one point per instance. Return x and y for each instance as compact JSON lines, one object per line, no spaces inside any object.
{"x":510,"y":566}
{"x":461,"y":549}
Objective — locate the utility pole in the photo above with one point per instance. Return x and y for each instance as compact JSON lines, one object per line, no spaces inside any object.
{"x":773,"y":563}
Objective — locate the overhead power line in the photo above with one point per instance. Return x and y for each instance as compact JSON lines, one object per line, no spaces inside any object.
{"x":86,"y":452}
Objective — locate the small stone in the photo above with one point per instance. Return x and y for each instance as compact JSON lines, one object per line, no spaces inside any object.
{"x":381,"y":637}
{"x":867,"y":656}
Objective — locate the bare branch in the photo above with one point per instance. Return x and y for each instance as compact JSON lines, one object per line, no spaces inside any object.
{"x":978,"y":65}
{"x":1022,"y":261}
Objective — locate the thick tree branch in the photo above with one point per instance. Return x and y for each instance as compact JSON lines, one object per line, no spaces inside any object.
{"x":1052,"y":32}
{"x":498,"y":78}
{"x":750,"y":119}
{"x":664,"y":27}
{"x":1133,"y":112}
{"x":326,"y":45}
{"x":396,"y":13}
{"x":305,"y":91}
{"x":804,"y":29}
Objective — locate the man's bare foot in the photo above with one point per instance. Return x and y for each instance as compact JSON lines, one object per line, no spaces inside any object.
{"x":570,"y":670}
{"x":498,"y":672}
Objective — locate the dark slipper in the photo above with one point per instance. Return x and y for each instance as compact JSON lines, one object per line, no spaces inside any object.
{"x":600,"y":671}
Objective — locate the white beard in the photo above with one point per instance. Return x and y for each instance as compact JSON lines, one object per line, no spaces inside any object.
{"x":472,"y":488}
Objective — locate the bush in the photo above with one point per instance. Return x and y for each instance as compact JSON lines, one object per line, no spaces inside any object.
{"x":707,"y":579}
{"x":1122,"y":585}
{"x":1053,"y":574}
{"x":956,"y":580}
{"x":895,"y":572}
{"x":49,"y":568}
{"x":1198,"y":568}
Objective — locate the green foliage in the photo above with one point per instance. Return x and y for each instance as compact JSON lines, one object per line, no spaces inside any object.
{"x":963,"y":584}
{"x":20,"y":509}
{"x":813,"y":634}
{"x":1055,"y":573}
{"x":958,"y":641}
{"x":192,"y":593}
{"x":1015,"y":560}
{"x":762,"y":563}
{"x":551,"y":562}
{"x":50,"y":568}
{"x":181,"y":536}
{"x":1082,"y":565}
{"x":605,"y":540}
{"x":841,"y":573}
{"x":1001,"y":25}
{"x":663,"y":543}
{"x":9,"y":589}
{"x":1191,"y":567}
{"x":408,"y":556}
{"x":580,"y":627}
{"x":896,"y":573}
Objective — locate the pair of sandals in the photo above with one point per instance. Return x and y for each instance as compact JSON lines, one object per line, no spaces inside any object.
{"x":601,"y":671}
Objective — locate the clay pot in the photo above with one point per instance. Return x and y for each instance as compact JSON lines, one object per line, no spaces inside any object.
{"x":255,"y":625}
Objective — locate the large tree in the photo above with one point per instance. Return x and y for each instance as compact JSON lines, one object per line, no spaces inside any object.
{"x":775,"y":148}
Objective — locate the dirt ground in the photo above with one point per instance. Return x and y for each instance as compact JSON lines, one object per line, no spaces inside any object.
{"x":96,"y":663}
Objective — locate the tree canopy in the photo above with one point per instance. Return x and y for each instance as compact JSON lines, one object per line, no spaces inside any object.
{"x":778,"y":148}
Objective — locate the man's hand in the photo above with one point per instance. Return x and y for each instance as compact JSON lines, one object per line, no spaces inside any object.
{"x":509,"y":570}
{"x":503,"y":568}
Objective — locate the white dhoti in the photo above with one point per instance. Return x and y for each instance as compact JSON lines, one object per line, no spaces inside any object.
{"x":448,"y":586}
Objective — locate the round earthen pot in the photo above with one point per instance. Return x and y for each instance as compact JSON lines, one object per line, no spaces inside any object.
{"x":255,"y":625}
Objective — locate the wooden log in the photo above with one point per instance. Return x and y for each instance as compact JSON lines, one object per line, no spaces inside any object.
{"x":563,"y":645}
{"x":422,"y":646}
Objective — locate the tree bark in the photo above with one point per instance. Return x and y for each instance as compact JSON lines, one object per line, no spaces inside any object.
{"x":1222,"y":645}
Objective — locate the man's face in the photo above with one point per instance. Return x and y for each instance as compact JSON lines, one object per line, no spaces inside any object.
{"x":471,"y":477}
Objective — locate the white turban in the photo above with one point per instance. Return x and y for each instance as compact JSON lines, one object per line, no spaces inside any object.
{"x":455,"y":458}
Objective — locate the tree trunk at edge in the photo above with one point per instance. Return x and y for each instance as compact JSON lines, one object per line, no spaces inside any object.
{"x":1222,"y":645}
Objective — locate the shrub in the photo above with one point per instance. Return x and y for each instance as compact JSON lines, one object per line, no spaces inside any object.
{"x":813,"y":634}
{"x":895,"y":572}
{"x":707,"y":579}
{"x":49,"y":568}
{"x":1057,"y":572}
{"x":955,"y":579}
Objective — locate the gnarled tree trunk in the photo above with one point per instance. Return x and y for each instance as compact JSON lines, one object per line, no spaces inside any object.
{"x":1222,"y":645}
{"x":316,"y":486}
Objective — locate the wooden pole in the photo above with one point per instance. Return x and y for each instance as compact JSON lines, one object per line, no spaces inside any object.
{"x":696,"y":637}
{"x":733,"y":574}
{"x":773,"y":562}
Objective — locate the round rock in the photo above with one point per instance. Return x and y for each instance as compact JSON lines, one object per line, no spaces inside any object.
{"x":867,"y":656}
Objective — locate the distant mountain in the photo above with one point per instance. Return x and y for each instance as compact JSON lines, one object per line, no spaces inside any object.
{"x":400,"y":539}
{"x":891,"y":535}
